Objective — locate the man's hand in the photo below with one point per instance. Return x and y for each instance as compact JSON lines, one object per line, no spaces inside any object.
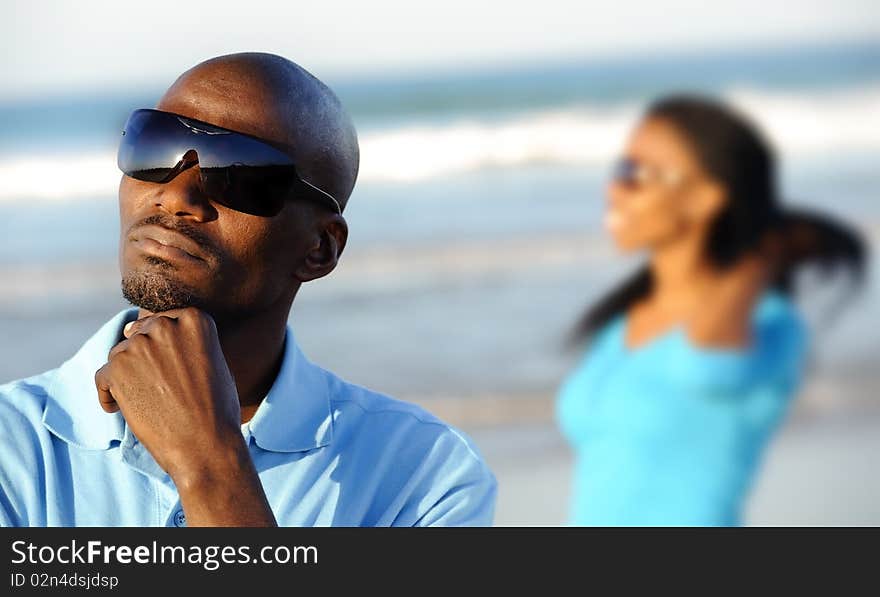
{"x":171,"y":381}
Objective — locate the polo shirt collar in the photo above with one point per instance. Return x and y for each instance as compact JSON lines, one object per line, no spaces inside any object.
{"x":295,"y":415}
{"x":73,"y":412}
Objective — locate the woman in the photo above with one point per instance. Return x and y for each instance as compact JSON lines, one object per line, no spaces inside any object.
{"x":691,"y":362}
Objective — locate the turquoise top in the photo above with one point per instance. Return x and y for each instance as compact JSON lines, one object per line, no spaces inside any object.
{"x":672,"y":434}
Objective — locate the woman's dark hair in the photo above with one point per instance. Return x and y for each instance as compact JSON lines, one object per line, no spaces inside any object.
{"x":733,"y":152}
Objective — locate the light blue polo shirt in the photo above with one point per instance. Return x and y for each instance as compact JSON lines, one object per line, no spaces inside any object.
{"x":328,"y":453}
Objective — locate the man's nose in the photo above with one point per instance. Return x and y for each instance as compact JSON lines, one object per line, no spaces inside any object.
{"x":183,"y":196}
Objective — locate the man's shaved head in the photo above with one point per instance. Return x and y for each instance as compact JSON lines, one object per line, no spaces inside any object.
{"x":273,"y":98}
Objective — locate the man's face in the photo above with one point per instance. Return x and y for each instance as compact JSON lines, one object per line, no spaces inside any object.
{"x":178,"y":248}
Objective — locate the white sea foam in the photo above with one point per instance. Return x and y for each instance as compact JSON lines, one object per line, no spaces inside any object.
{"x":799,"y":124}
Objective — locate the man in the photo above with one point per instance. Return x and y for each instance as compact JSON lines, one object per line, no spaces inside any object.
{"x":198,"y":408}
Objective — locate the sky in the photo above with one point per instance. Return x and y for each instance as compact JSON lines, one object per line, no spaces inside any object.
{"x":53,"y":47}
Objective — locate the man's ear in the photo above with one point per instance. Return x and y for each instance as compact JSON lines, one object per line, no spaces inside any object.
{"x":321,"y":259}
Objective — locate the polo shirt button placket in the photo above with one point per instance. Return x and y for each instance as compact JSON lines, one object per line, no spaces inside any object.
{"x":179,"y":519}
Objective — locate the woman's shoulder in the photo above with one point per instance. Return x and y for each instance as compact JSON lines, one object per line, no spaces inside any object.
{"x":776,"y":317}
{"x":780,"y":330}
{"x":600,"y":349}
{"x":777,"y":348}
{"x":606,"y":338}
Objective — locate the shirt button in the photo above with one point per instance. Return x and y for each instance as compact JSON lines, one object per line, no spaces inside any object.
{"x":179,"y":519}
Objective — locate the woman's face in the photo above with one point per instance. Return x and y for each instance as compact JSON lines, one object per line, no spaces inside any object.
{"x":659,"y":193}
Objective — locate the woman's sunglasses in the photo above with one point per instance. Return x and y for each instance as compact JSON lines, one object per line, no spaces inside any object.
{"x":633,"y":175}
{"x":237,"y":170}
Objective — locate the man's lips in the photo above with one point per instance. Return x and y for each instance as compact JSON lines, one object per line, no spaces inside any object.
{"x":166,"y":243}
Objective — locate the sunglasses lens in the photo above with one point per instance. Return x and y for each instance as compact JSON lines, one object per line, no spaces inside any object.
{"x":625,"y":171}
{"x":255,"y":190}
{"x":238,"y":171}
{"x":150,"y":149}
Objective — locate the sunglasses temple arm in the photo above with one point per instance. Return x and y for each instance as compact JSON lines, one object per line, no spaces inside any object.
{"x":325,"y":194}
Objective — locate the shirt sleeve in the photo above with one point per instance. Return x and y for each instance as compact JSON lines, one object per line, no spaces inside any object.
{"x":776,"y":356}
{"x":454,"y":487}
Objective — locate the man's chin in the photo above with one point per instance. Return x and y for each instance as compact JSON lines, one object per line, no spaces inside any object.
{"x":156,"y":291}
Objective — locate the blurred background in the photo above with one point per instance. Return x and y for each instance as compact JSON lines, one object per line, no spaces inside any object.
{"x":486,"y":131}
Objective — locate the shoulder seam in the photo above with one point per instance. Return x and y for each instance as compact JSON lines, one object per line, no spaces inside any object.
{"x":436,"y":422}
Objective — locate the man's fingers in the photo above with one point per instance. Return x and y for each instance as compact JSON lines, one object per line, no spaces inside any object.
{"x":177,"y":313}
{"x":140,"y":326}
{"x":188,"y":315}
{"x":102,"y":383}
{"x":130,"y":328}
{"x":117,"y":349}
{"x":143,"y":325}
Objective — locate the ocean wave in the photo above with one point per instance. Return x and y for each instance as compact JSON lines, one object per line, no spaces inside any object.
{"x":799,"y":124}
